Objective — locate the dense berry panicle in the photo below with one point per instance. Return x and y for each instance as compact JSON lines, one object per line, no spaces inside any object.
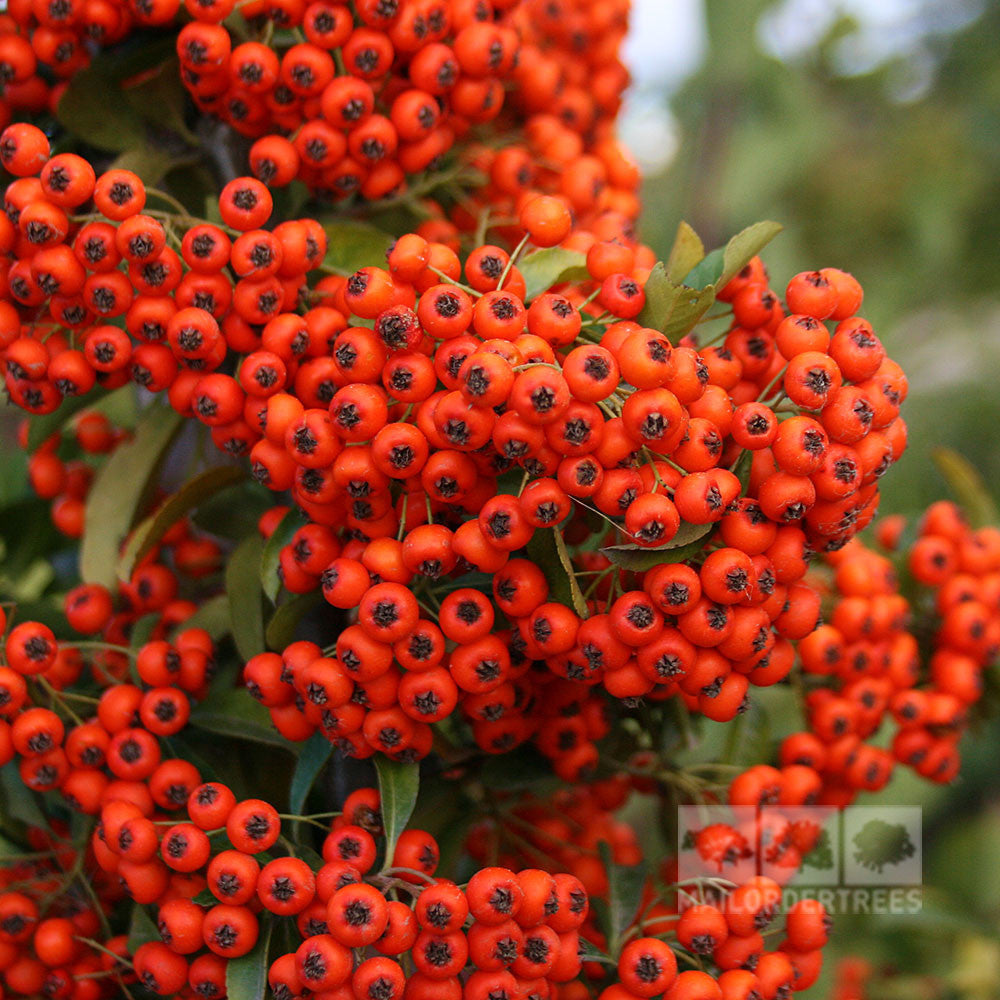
{"x":463,"y":428}
{"x":354,"y":99}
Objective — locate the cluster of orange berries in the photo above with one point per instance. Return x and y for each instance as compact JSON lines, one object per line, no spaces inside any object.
{"x":722,"y":921}
{"x":216,"y":876}
{"x":69,"y":283}
{"x":960,"y":569}
{"x":307,"y":689}
{"x":45,"y":923}
{"x":45,"y":42}
{"x":377,"y":92}
{"x":216,"y":873}
{"x":168,"y":867}
{"x":866,"y":666}
{"x":404,"y":477}
{"x":394,"y":410}
{"x":36,"y":694}
{"x":525,"y":930}
{"x":166,"y":861}
{"x":66,"y":483}
{"x":506,"y":934}
{"x":372,"y":93}
{"x":727,"y":933}
{"x":355,"y":97}
{"x":142,"y":849}
{"x":211,"y":895}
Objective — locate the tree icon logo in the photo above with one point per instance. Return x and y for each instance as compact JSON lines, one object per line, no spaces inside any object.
{"x":879,"y":844}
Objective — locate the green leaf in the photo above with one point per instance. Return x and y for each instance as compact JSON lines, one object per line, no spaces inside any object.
{"x":161,"y":97}
{"x":235,"y":512}
{"x":741,"y":469}
{"x":232,"y":712}
{"x":575,"y":593}
{"x":213,"y":616}
{"x":686,"y":252}
{"x":547,"y":549}
{"x":246,"y":977}
{"x":313,"y":756}
{"x":149,"y":532}
{"x":706,"y":272}
{"x":142,"y":630}
{"x":19,"y":801}
{"x":141,"y":929}
{"x":205,"y":898}
{"x":145,"y":65}
{"x":661,"y":296}
{"x":625,"y":885}
{"x":744,"y":246}
{"x":967,"y":485}
{"x":137,"y":55}
{"x":398,"y":785}
{"x":351,"y":245}
{"x":149,"y":162}
{"x":48,"y":611}
{"x":690,"y":306}
{"x":673,"y":308}
{"x":711,"y":273}
{"x":120,"y":491}
{"x":689,"y":541}
{"x":591,"y":953}
{"x":281,"y":628}
{"x":245,"y":605}
{"x":551,"y":266}
{"x":179,"y":746}
{"x":270,"y":559}
{"x":748,"y":738}
{"x":31,"y":583}
{"x":121,"y":407}
{"x":85,"y":110}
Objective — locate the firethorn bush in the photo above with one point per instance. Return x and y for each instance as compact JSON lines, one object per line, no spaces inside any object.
{"x":399,"y":524}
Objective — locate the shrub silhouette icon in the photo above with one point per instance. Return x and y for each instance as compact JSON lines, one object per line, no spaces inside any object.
{"x":879,"y":844}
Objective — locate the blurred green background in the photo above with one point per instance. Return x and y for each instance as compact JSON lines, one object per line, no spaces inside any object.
{"x":871,"y":130}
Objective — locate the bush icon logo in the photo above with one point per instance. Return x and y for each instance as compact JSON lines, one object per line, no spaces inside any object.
{"x":882,"y":845}
{"x":878,"y":844}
